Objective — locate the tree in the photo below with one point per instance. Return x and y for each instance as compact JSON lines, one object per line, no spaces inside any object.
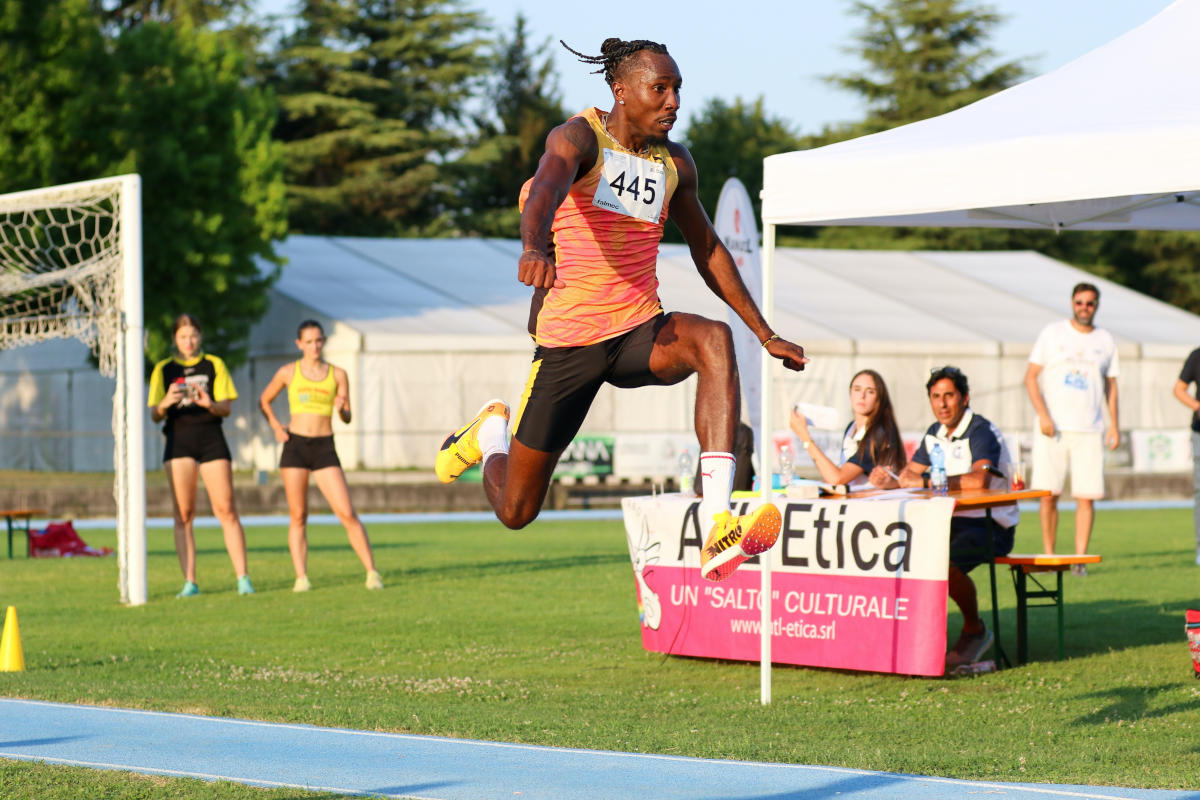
{"x":924,"y":58}
{"x":509,"y":135}
{"x":368,"y":92}
{"x":731,"y":141}
{"x":52,"y":56}
{"x":212,"y":182}
{"x":171,"y":103}
{"x":130,"y":13}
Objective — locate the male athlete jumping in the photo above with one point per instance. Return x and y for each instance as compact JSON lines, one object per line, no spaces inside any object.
{"x":591,"y":221}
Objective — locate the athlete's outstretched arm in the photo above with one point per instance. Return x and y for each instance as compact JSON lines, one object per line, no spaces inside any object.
{"x":568,"y":147}
{"x":715,"y":263}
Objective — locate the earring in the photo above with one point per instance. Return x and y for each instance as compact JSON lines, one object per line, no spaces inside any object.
{"x":622,"y":102}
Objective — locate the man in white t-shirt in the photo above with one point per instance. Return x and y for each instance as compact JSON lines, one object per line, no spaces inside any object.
{"x":1072,"y":375}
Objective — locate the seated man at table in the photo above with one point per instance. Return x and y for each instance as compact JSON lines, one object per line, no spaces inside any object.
{"x":971,"y":446}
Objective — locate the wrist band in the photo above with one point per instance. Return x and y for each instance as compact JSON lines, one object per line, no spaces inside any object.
{"x":539,"y":251}
{"x":770,"y":339}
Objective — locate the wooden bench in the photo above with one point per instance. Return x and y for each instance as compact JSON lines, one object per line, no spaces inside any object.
{"x":1024,"y":566}
{"x":13,"y":514}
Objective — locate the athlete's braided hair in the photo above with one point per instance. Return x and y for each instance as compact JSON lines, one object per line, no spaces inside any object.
{"x":613,"y":54}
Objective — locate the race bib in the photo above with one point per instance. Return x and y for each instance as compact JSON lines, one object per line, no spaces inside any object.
{"x":631,"y":185}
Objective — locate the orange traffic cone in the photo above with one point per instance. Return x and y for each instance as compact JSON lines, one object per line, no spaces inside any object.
{"x":12,"y":657}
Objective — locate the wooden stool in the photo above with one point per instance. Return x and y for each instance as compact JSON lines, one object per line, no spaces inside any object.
{"x":1023,"y":565}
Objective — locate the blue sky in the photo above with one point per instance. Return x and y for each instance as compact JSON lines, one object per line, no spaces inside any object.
{"x":780,"y":50}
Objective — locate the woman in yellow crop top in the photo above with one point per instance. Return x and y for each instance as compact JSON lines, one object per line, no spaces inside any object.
{"x":315,"y":390}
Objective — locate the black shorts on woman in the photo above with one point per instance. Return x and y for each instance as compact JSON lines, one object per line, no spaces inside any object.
{"x":564,"y":381}
{"x":308,"y":452}
{"x":203,"y":441}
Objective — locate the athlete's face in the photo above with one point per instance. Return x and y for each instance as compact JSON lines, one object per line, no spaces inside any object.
{"x":187,"y":341}
{"x":650,"y":87}
{"x":864,"y":398}
{"x":947,"y":402}
{"x":1083,"y":306}
{"x":311,"y":343}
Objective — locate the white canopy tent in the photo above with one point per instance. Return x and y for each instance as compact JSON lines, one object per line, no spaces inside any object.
{"x":1106,"y":142}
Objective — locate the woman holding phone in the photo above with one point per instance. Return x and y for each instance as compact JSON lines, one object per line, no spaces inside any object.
{"x":190,"y":393}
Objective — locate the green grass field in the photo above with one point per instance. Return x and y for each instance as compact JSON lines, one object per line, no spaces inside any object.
{"x":533,"y":637}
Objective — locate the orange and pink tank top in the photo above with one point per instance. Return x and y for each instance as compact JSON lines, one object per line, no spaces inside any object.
{"x":606,"y":235}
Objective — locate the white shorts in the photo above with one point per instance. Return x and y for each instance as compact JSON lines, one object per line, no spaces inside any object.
{"x":1080,"y":453}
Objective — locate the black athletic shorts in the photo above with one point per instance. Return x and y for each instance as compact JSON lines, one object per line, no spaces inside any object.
{"x":969,"y":541}
{"x":204,"y":442}
{"x":309,"y":452}
{"x":564,"y":380}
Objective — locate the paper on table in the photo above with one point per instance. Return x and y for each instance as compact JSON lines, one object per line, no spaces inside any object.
{"x":802,"y":489}
{"x":894,"y":494}
{"x":820,"y":417}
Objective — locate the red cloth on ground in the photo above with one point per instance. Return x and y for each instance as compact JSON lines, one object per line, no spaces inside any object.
{"x":59,"y":540}
{"x":1192,"y":627}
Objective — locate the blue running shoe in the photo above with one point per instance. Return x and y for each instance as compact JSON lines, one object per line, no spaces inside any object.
{"x":189,"y":590}
{"x":245,"y":586}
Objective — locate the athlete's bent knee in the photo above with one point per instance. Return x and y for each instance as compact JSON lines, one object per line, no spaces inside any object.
{"x":518,"y":515}
{"x":717,"y":344}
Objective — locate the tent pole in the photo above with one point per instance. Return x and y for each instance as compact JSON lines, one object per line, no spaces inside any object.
{"x":765,"y":467}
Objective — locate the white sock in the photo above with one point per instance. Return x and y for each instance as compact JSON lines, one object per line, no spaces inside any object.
{"x":716,"y":482}
{"x":493,"y":436}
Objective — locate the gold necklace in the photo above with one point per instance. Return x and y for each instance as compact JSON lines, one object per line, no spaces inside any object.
{"x":645,"y":151}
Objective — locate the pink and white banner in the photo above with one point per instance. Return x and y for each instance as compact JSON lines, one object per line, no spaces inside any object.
{"x":856,"y":584}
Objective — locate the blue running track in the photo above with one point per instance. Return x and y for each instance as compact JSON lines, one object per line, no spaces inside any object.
{"x":431,"y":768}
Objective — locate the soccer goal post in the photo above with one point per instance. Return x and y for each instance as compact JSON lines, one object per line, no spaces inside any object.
{"x":71,"y":268}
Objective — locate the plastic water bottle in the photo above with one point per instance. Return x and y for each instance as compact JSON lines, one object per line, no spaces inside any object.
{"x":786,"y":468}
{"x":937,"y":470}
{"x":687,"y":472}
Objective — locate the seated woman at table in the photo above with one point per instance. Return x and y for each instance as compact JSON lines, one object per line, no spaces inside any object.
{"x":872,"y":454}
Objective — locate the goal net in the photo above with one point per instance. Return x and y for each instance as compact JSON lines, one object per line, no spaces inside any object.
{"x":71,"y":267}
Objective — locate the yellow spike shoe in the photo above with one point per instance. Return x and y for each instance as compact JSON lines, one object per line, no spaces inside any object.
{"x":732,"y":540}
{"x":461,"y":448}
